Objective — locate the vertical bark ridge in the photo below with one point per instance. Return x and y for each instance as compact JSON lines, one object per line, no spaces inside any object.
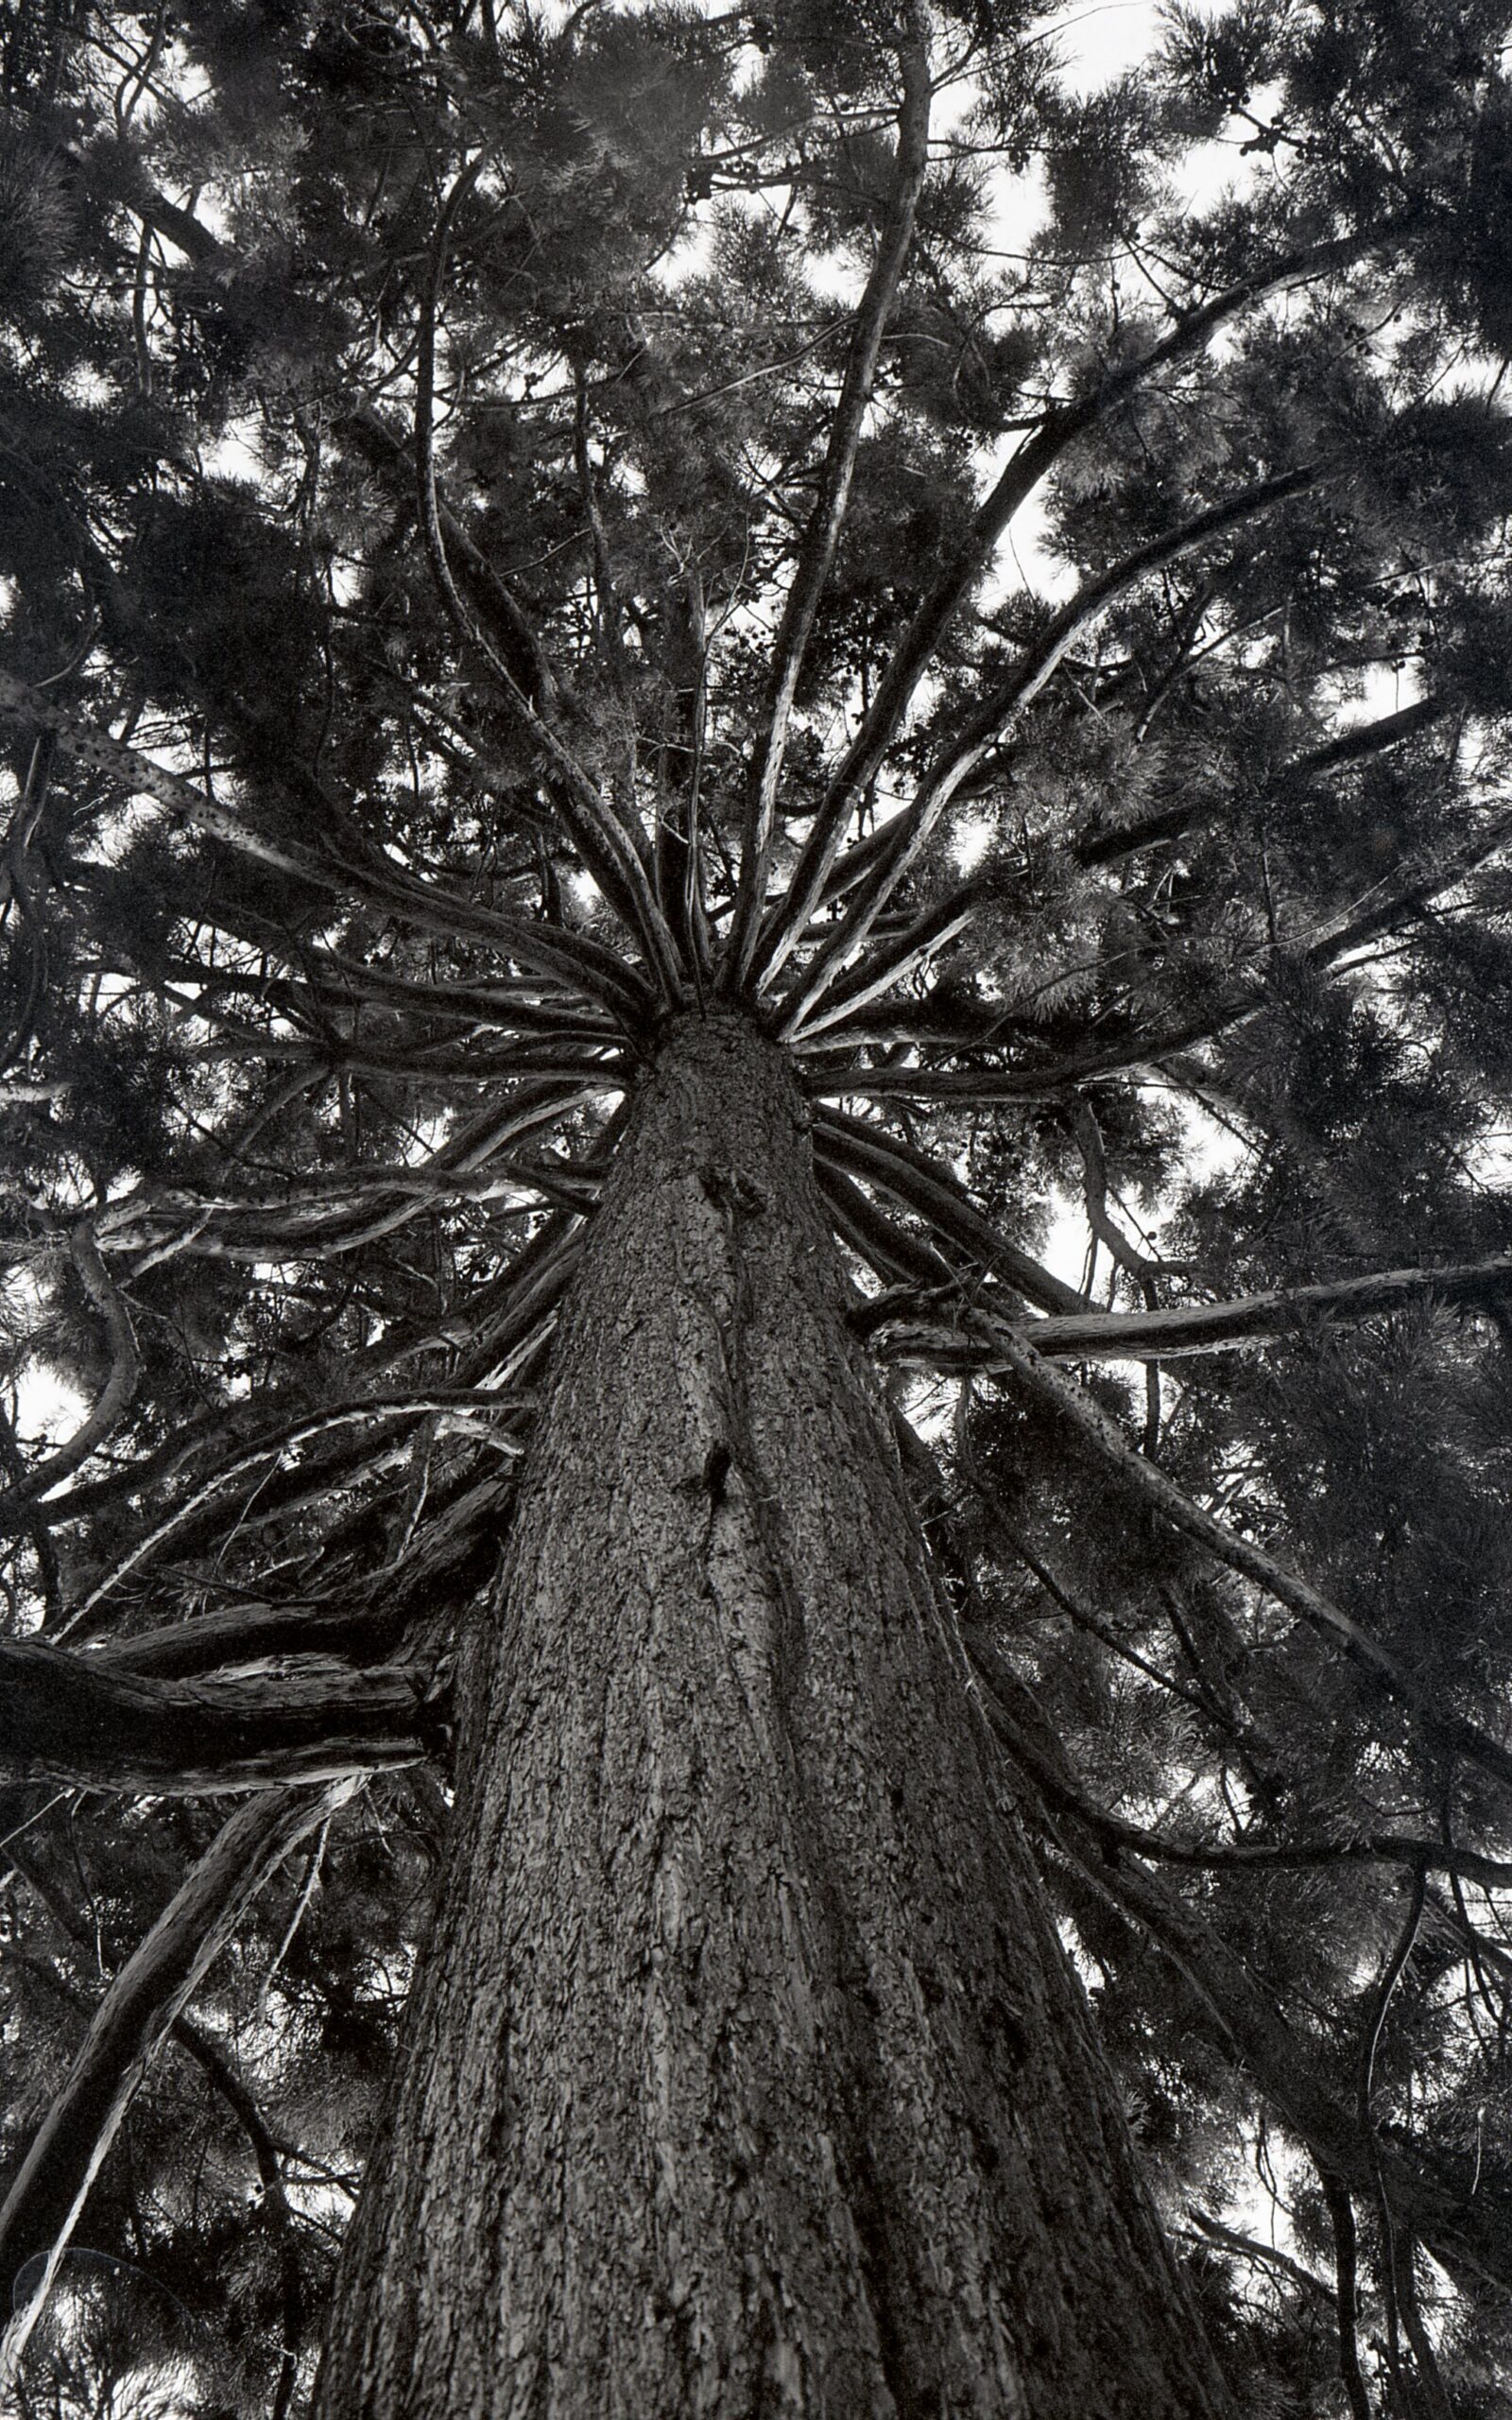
{"x":746,"y":2074}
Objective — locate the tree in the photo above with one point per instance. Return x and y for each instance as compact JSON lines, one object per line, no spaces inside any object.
{"x":665,"y":671}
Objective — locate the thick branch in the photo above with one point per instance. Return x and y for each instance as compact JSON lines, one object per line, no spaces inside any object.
{"x":1102,"y":848}
{"x":240,"y":1634}
{"x":933,"y":1194}
{"x":890,"y":1249}
{"x":71,"y":1717}
{"x":110,"y":1406}
{"x":1201,"y":1327}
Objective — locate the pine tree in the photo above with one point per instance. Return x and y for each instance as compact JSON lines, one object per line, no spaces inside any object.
{"x":670,"y":677}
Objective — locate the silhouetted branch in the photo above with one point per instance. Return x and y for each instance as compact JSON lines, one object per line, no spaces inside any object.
{"x":817,"y":551}
{"x":137,"y":2013}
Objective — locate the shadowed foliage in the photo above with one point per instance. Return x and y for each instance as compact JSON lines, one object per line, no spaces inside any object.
{"x":525,"y":531}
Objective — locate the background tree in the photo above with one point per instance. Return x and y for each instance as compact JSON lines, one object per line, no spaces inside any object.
{"x":541,"y":546}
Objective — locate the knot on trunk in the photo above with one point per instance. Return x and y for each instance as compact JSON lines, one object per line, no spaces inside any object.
{"x":733,"y":1194}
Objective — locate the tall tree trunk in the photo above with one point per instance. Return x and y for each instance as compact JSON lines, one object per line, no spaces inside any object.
{"x":745,"y":2072}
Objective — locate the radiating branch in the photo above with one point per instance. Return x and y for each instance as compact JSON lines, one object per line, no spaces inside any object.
{"x":1061,"y":426}
{"x":821,"y":538}
{"x":614,"y":855}
{"x":936,"y":1197}
{"x":909,"y":832}
{"x":885,"y":965}
{"x":67,"y":1715}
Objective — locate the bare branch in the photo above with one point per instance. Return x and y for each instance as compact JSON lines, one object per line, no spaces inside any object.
{"x":1446,"y":1731}
{"x":18,"y":1503}
{"x":1195,"y":1327}
{"x":137,"y":2013}
{"x":817,"y":553}
{"x":68,"y":1717}
{"x":933,"y":1194}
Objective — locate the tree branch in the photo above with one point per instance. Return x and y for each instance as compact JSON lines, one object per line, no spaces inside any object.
{"x":18,"y":1503}
{"x":890,"y":963}
{"x":1061,"y":425}
{"x":68,"y":1717}
{"x":1199,"y":1327}
{"x":1465,"y":2224}
{"x":137,"y":2013}
{"x":1102,"y":848}
{"x":608,"y":848}
{"x":1445,"y":1732}
{"x":817,"y":552}
{"x":909,"y":832}
{"x":933,"y":1194}
{"x":187,"y":806}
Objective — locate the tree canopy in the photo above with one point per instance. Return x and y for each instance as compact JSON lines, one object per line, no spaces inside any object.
{"x":516,"y":521}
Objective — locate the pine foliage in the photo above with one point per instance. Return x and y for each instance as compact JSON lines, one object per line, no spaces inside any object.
{"x":514,"y":521}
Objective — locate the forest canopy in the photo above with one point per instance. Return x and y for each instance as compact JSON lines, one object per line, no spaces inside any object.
{"x":522,"y":527}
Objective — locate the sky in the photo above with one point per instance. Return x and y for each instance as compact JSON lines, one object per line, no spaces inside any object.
{"x":1097,"y":44}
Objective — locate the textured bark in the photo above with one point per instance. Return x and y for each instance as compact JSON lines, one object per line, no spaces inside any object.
{"x":77,"y":1718}
{"x":745,"y":2073}
{"x":1201,"y":1327}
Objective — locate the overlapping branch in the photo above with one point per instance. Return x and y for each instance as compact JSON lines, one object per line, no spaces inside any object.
{"x":1061,"y":426}
{"x":923,"y":1185}
{"x":136,"y":2016}
{"x":908,"y":833}
{"x":18,"y":1503}
{"x":817,"y":551}
{"x":1444,"y":1731}
{"x":911,"y":1328}
{"x":65,"y":1716}
{"x":612,"y":853}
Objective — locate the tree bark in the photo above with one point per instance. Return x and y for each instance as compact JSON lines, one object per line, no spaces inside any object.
{"x":80,"y":1719}
{"x":745,"y":2072}
{"x":1186,"y":1328}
